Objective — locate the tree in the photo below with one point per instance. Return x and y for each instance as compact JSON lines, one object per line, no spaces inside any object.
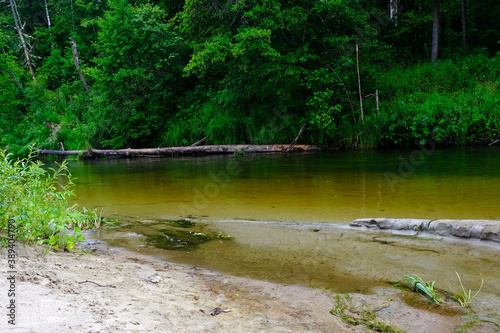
{"x":17,"y":25}
{"x":259,"y":56}
{"x":138,"y":74}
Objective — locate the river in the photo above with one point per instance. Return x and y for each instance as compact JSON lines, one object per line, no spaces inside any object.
{"x":287,"y":214}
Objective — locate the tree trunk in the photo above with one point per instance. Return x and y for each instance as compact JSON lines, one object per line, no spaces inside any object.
{"x":13,"y":7}
{"x":14,"y":78}
{"x":48,"y":21}
{"x":359,"y":85}
{"x":393,"y":10}
{"x":180,"y":151}
{"x":435,"y":32}
{"x":464,"y":39}
{"x":72,"y":16}
{"x":77,"y":63}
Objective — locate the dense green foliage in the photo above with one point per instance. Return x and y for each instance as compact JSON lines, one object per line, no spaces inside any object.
{"x":37,"y":203}
{"x":167,"y":73}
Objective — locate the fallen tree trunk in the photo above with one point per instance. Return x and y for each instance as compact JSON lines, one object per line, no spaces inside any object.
{"x":179,"y":151}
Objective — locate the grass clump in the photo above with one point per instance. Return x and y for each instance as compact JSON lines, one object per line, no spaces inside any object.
{"x":34,"y":205}
{"x":426,"y":287}
{"x":466,"y":297}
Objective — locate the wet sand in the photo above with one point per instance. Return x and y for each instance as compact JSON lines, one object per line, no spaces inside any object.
{"x":136,"y":293}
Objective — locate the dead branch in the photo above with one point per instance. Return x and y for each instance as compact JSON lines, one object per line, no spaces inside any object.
{"x":97,"y":284}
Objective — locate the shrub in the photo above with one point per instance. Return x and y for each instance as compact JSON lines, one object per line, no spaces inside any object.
{"x":37,"y":201}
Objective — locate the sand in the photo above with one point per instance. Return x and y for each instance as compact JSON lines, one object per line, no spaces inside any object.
{"x":144,"y":294}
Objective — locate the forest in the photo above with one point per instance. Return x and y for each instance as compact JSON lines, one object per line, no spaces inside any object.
{"x":165,"y":73}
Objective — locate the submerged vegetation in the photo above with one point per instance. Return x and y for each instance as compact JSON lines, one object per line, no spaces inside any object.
{"x":118,"y":73}
{"x":177,"y":239}
{"x":351,"y":314}
{"x":34,"y":205}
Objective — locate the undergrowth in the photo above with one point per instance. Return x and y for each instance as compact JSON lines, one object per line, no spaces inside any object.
{"x":37,"y":202}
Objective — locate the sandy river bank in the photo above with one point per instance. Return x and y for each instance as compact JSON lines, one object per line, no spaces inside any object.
{"x":135,"y":293}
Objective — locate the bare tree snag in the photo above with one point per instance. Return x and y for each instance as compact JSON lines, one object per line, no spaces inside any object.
{"x":77,"y":63}
{"x":17,"y":24}
{"x":48,"y":21}
{"x":296,"y":138}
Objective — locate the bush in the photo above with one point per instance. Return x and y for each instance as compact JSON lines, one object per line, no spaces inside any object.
{"x":454,"y":102}
{"x":37,"y":200}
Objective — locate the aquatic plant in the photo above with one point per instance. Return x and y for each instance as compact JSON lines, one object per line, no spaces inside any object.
{"x":177,"y":239}
{"x":221,"y":235}
{"x":425,"y":287}
{"x":465,"y":297}
{"x":358,"y":315}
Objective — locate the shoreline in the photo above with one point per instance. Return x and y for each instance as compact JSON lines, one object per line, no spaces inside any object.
{"x":131,"y":292}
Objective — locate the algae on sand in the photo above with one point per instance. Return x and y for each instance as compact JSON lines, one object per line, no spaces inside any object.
{"x":177,"y":239}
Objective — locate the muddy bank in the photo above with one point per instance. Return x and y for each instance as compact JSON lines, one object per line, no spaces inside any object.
{"x":477,"y":229}
{"x":113,"y":290}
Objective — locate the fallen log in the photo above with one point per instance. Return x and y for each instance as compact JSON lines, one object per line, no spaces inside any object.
{"x":179,"y":151}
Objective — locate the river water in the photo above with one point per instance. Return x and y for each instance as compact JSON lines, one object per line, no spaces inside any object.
{"x":288,"y":214}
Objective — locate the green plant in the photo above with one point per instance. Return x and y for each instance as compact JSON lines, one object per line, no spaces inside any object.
{"x":417,"y":283}
{"x":35,"y":201}
{"x":466,"y":297}
{"x":62,"y":239}
{"x":220,"y":235}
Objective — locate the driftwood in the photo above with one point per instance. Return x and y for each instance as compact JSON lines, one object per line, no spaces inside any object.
{"x":179,"y":151}
{"x":296,"y":138}
{"x":197,"y":143}
{"x":97,"y":284}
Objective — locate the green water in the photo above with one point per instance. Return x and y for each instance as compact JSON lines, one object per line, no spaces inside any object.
{"x":288,"y":214}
